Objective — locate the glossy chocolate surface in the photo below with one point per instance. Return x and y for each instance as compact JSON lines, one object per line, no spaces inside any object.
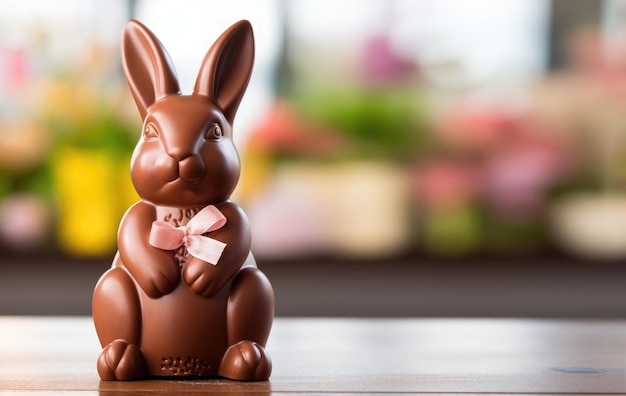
{"x":163,"y":312}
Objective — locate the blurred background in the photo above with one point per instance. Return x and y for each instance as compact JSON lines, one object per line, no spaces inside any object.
{"x":400,"y":158}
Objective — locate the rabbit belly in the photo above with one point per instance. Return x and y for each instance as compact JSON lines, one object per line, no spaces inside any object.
{"x":184,"y":334}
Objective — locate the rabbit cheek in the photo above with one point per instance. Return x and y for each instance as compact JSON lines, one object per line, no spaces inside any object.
{"x":143,"y":170}
{"x":167,"y":168}
{"x":222,"y":170}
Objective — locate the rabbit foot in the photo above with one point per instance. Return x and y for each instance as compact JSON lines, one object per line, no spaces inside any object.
{"x":121,"y":361}
{"x":246,"y":361}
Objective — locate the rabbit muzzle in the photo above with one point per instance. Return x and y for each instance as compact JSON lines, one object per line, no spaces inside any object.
{"x":190,"y":169}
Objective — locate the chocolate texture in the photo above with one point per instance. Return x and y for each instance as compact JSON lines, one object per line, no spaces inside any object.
{"x":163,"y":309}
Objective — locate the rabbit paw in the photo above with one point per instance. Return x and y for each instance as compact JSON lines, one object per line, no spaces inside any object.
{"x":202,"y":277}
{"x":246,"y":361}
{"x":121,"y":361}
{"x":160,"y":279}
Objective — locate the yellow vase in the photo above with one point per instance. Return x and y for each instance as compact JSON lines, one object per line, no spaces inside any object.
{"x":89,"y":194}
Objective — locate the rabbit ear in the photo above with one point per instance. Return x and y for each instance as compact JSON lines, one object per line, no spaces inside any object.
{"x":226,"y":68}
{"x":147,"y":65}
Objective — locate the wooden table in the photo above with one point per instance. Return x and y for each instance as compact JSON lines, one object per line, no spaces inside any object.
{"x":48,"y":354}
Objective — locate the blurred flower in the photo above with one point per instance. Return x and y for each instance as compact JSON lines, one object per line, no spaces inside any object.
{"x":284,"y":131}
{"x":14,"y":73}
{"x":382,"y":65}
{"x":447,"y":192}
{"x":24,"y":144}
{"x":476,"y":128}
{"x":24,"y":221}
{"x":446,"y":183}
{"x":518,"y":177}
{"x":516,"y":158}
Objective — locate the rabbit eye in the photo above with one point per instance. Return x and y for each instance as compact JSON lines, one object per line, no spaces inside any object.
{"x":214,"y":132}
{"x":150,"y":132}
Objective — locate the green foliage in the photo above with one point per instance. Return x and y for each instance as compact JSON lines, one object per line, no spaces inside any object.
{"x":379,"y":123}
{"x":453,"y":232}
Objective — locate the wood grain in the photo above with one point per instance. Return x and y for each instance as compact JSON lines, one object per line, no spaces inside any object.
{"x":447,"y":356}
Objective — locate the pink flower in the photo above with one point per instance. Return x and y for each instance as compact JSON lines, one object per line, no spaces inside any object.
{"x":444,"y":183}
{"x":381,"y":64}
{"x":477,"y":128}
{"x":516,"y":178}
{"x":285,"y":131}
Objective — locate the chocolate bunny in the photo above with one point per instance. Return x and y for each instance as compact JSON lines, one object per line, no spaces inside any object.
{"x":184,"y":296}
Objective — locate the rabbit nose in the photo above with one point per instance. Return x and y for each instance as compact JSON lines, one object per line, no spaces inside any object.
{"x":191,"y":168}
{"x":178,"y":154}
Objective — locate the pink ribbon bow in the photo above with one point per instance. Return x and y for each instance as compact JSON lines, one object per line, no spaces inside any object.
{"x":167,"y":237}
